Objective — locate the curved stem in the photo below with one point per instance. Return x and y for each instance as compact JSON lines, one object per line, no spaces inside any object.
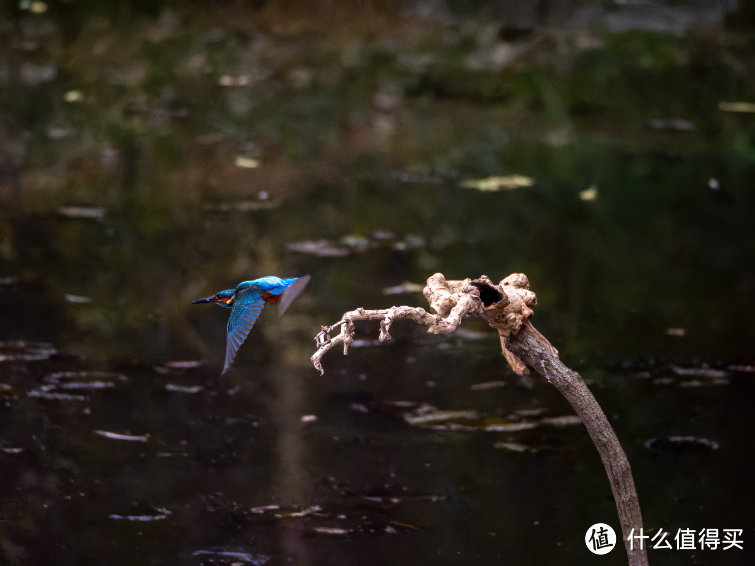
{"x":536,"y":352}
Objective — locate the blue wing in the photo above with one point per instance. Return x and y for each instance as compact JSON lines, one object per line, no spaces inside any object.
{"x":293,"y":290}
{"x":246,"y":310}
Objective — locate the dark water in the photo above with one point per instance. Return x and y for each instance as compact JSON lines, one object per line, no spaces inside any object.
{"x":149,"y":160}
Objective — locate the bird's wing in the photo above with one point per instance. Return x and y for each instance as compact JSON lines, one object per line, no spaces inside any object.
{"x":291,"y":292}
{"x":246,"y":311}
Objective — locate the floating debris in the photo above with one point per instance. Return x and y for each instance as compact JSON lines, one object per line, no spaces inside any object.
{"x":12,"y":280}
{"x":510,"y":427}
{"x":746,"y":369}
{"x":566,"y":420}
{"x":713,"y":184}
{"x":127,"y":437}
{"x":82,"y":212}
{"x":190,"y":389}
{"x":22,"y":351}
{"x":5,"y":450}
{"x":308,"y":418}
{"x":246,"y":162}
{"x":159,"y":515}
{"x":680,"y":442}
{"x":330,"y":531}
{"x":77,"y":385}
{"x":589,"y":194}
{"x":676,"y":331}
{"x":405,"y":287}
{"x":436,"y":416}
{"x":183,"y":364}
{"x":674,"y":124}
{"x":56,"y":396}
{"x":507,"y":182}
{"x":73,"y":96}
{"x":512,"y":446}
{"x":89,"y":376}
{"x":243,"y":557}
{"x":743,"y":107}
{"x":705,"y":383}
{"x":411,"y":242}
{"x":264,"y":509}
{"x":319,"y":248}
{"x":78,"y":299}
{"x":698,"y":372}
{"x":228,"y":80}
{"x":485,"y":385}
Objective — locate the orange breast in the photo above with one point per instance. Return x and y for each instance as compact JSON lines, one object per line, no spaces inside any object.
{"x":270,"y":298}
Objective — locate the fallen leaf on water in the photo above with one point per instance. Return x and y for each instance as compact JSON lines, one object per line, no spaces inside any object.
{"x":589,"y":194}
{"x":183,"y":364}
{"x":405,"y":287}
{"x":510,"y":427}
{"x":319,"y":248}
{"x":246,"y":162}
{"x":127,"y":437}
{"x":744,"y":107}
{"x":747,"y":369}
{"x":508,"y":182}
{"x":78,"y":299}
{"x":158,"y":516}
{"x":680,"y":442}
{"x":55,"y":396}
{"x":512,"y":446}
{"x":5,"y":450}
{"x":21,"y":351}
{"x":183,"y":388}
{"x":439,"y":416}
{"x":73,"y":96}
{"x":566,"y":420}
{"x":698,"y":372}
{"x":82,"y":212}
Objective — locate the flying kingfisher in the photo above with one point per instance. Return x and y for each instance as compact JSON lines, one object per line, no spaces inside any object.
{"x":246,"y":302}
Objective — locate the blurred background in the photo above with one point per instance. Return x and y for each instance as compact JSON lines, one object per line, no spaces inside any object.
{"x":152,"y":153}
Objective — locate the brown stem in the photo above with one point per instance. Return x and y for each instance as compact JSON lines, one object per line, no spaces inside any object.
{"x":536,"y":352}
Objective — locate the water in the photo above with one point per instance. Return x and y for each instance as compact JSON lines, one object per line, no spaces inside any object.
{"x":149,"y":160}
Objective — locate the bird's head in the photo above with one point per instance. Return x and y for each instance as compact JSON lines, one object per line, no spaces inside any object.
{"x":223,"y":299}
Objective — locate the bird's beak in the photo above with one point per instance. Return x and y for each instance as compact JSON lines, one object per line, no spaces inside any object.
{"x":213,"y":299}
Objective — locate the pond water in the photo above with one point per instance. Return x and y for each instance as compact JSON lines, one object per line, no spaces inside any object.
{"x":152,"y":157}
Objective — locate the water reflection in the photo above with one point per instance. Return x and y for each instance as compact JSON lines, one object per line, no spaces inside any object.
{"x":148,"y":159}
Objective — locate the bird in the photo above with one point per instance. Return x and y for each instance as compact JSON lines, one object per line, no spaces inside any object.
{"x":246,"y":302}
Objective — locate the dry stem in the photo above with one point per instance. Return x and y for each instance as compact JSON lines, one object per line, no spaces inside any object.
{"x":507,"y":307}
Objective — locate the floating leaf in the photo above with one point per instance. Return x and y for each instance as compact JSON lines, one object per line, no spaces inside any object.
{"x":405,"y":287}
{"x":82,"y":212}
{"x":589,"y":194}
{"x":25,"y":351}
{"x":127,"y":437}
{"x":183,"y":388}
{"x":744,"y":107}
{"x":246,"y":162}
{"x":508,"y":182}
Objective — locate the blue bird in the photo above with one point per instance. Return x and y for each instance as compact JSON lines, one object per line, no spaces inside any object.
{"x":246,"y":302}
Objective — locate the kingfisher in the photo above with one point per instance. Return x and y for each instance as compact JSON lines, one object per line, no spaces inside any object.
{"x":246,"y":302}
